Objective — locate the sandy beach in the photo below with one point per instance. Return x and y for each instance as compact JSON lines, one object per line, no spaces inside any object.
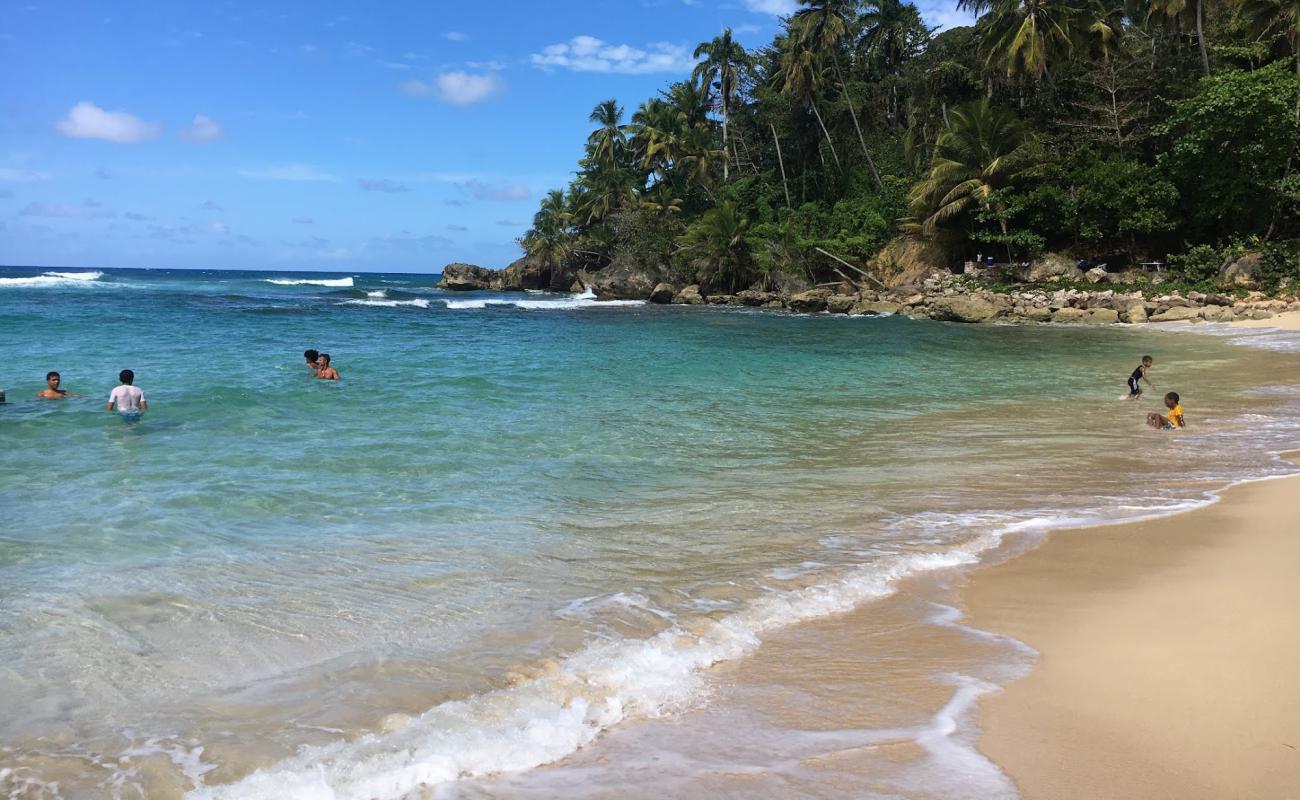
{"x":1289,"y":321}
{"x":1169,"y":655}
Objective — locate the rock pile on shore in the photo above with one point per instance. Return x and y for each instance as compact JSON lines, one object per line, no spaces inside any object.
{"x":955,"y":298}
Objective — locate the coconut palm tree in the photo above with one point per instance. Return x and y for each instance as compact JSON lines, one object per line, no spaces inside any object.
{"x":717,"y":239}
{"x":1031,"y":35}
{"x":607,"y":141}
{"x":725,"y":64}
{"x":1179,"y":9}
{"x":983,"y":149}
{"x":1272,"y":18}
{"x":798,"y":77}
{"x":892,"y":32}
{"x":823,"y":26}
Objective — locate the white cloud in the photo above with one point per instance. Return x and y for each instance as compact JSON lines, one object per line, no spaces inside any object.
{"x":777,"y":8}
{"x":21,"y":175}
{"x":490,"y":65}
{"x":458,"y":88}
{"x":50,"y":210}
{"x":203,"y":129}
{"x":944,"y":15}
{"x":589,"y":54}
{"x":89,"y":121}
{"x":383,"y":185}
{"x":454,"y":36}
{"x":289,"y":172}
{"x":513,"y":192}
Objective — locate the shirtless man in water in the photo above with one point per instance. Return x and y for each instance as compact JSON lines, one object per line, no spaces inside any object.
{"x":323,"y":369}
{"x":52,"y":390}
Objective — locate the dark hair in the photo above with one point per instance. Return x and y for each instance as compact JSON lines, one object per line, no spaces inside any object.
{"x":49,"y":375}
{"x":126,"y":376}
{"x":325,"y":356}
{"x":1172,"y":396}
{"x":310,"y":355}
{"x":1147,"y":358}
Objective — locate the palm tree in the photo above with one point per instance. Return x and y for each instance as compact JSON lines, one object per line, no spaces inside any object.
{"x":984,"y":149}
{"x":823,"y":25}
{"x":550,"y":239}
{"x":608,"y":140}
{"x":1271,"y":18}
{"x":1030,"y":35}
{"x":718,"y":240}
{"x":725,"y":64}
{"x":892,"y":32}
{"x":1178,"y":9}
{"x":798,"y":77}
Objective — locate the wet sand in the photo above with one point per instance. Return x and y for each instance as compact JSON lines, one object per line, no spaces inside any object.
{"x":1169,"y":655}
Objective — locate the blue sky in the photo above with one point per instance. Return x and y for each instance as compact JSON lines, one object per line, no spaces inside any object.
{"x":318,"y":136}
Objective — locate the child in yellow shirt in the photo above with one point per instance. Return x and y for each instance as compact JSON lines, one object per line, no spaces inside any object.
{"x":1175,"y":418}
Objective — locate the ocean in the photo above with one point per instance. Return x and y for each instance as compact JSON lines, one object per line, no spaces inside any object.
{"x":540,"y":545}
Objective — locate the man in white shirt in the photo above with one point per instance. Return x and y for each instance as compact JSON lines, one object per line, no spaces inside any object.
{"x":128,"y":398}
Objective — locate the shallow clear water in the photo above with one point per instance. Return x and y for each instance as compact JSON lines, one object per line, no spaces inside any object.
{"x":536,"y":529}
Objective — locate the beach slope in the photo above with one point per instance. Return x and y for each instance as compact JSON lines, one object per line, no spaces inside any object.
{"x":1169,"y":655}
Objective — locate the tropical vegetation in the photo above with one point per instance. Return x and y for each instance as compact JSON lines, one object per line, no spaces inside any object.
{"x":1116,"y":132}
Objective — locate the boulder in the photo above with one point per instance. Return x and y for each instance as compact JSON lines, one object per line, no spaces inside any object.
{"x":787,"y":283}
{"x":962,"y":309}
{"x":530,"y":272}
{"x":1038,"y":314}
{"x":810,"y":301}
{"x":662,"y":293}
{"x":1242,"y":272}
{"x":755,"y":297}
{"x":1096,"y":275}
{"x":874,"y":307}
{"x":1218,"y":313}
{"x":1134,"y":313}
{"x":1101,"y":316}
{"x":689,"y":296}
{"x":1069,"y":315}
{"x":460,"y":277}
{"x":1053,"y":266}
{"x":626,"y":279}
{"x":723,"y":300}
{"x":841,"y":303}
{"x":1177,"y":314}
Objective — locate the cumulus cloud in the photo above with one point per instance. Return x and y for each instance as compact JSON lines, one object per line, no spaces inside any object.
{"x":289,"y":172}
{"x":21,"y":175}
{"x":589,"y":54}
{"x":89,"y":121}
{"x":458,"y":88}
{"x":512,"y":192}
{"x":383,"y":185}
{"x":203,"y":129}
{"x":454,"y":36}
{"x":777,"y":8}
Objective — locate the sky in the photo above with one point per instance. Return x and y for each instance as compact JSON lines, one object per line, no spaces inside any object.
{"x":328,"y":136}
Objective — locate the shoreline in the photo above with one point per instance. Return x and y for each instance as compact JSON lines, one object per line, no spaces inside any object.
{"x":1167,"y":652}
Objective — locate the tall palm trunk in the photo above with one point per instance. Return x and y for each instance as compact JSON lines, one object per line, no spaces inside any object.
{"x":825,"y":133}
{"x":1200,"y":39}
{"x":853,"y":112}
{"x":726,"y":152}
{"x":780,"y":161}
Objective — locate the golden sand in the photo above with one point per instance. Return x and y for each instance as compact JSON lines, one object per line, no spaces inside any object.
{"x":1169,"y":656}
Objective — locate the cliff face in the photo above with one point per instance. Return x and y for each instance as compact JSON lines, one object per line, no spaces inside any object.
{"x":522,"y":274}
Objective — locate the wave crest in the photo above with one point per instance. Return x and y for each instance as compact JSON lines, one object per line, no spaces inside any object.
{"x":51,"y":279}
{"x":345,"y":283}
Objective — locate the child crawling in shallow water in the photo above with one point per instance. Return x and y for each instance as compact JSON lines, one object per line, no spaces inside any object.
{"x":1175,"y":418}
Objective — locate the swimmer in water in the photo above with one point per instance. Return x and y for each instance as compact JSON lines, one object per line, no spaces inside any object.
{"x":312,"y":357}
{"x":52,"y":390}
{"x":323,"y":369}
{"x":1175,"y":419}
{"x":128,"y":398}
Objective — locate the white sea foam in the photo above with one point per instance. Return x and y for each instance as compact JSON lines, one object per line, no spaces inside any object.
{"x":547,"y":718}
{"x":418,"y":302}
{"x":344,"y":283}
{"x":380,"y":293}
{"x":585,"y":300}
{"x":53,"y":279}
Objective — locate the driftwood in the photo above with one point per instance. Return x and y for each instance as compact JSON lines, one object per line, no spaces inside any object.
{"x":861,"y":272}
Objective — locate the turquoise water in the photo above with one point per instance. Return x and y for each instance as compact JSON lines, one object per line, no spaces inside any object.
{"x":516,"y":523}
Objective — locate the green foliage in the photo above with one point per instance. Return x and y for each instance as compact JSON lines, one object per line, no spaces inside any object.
{"x":1279,"y":265}
{"x":1118,"y":199}
{"x":717,"y":242}
{"x":1199,"y":266}
{"x":1232,"y":145}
